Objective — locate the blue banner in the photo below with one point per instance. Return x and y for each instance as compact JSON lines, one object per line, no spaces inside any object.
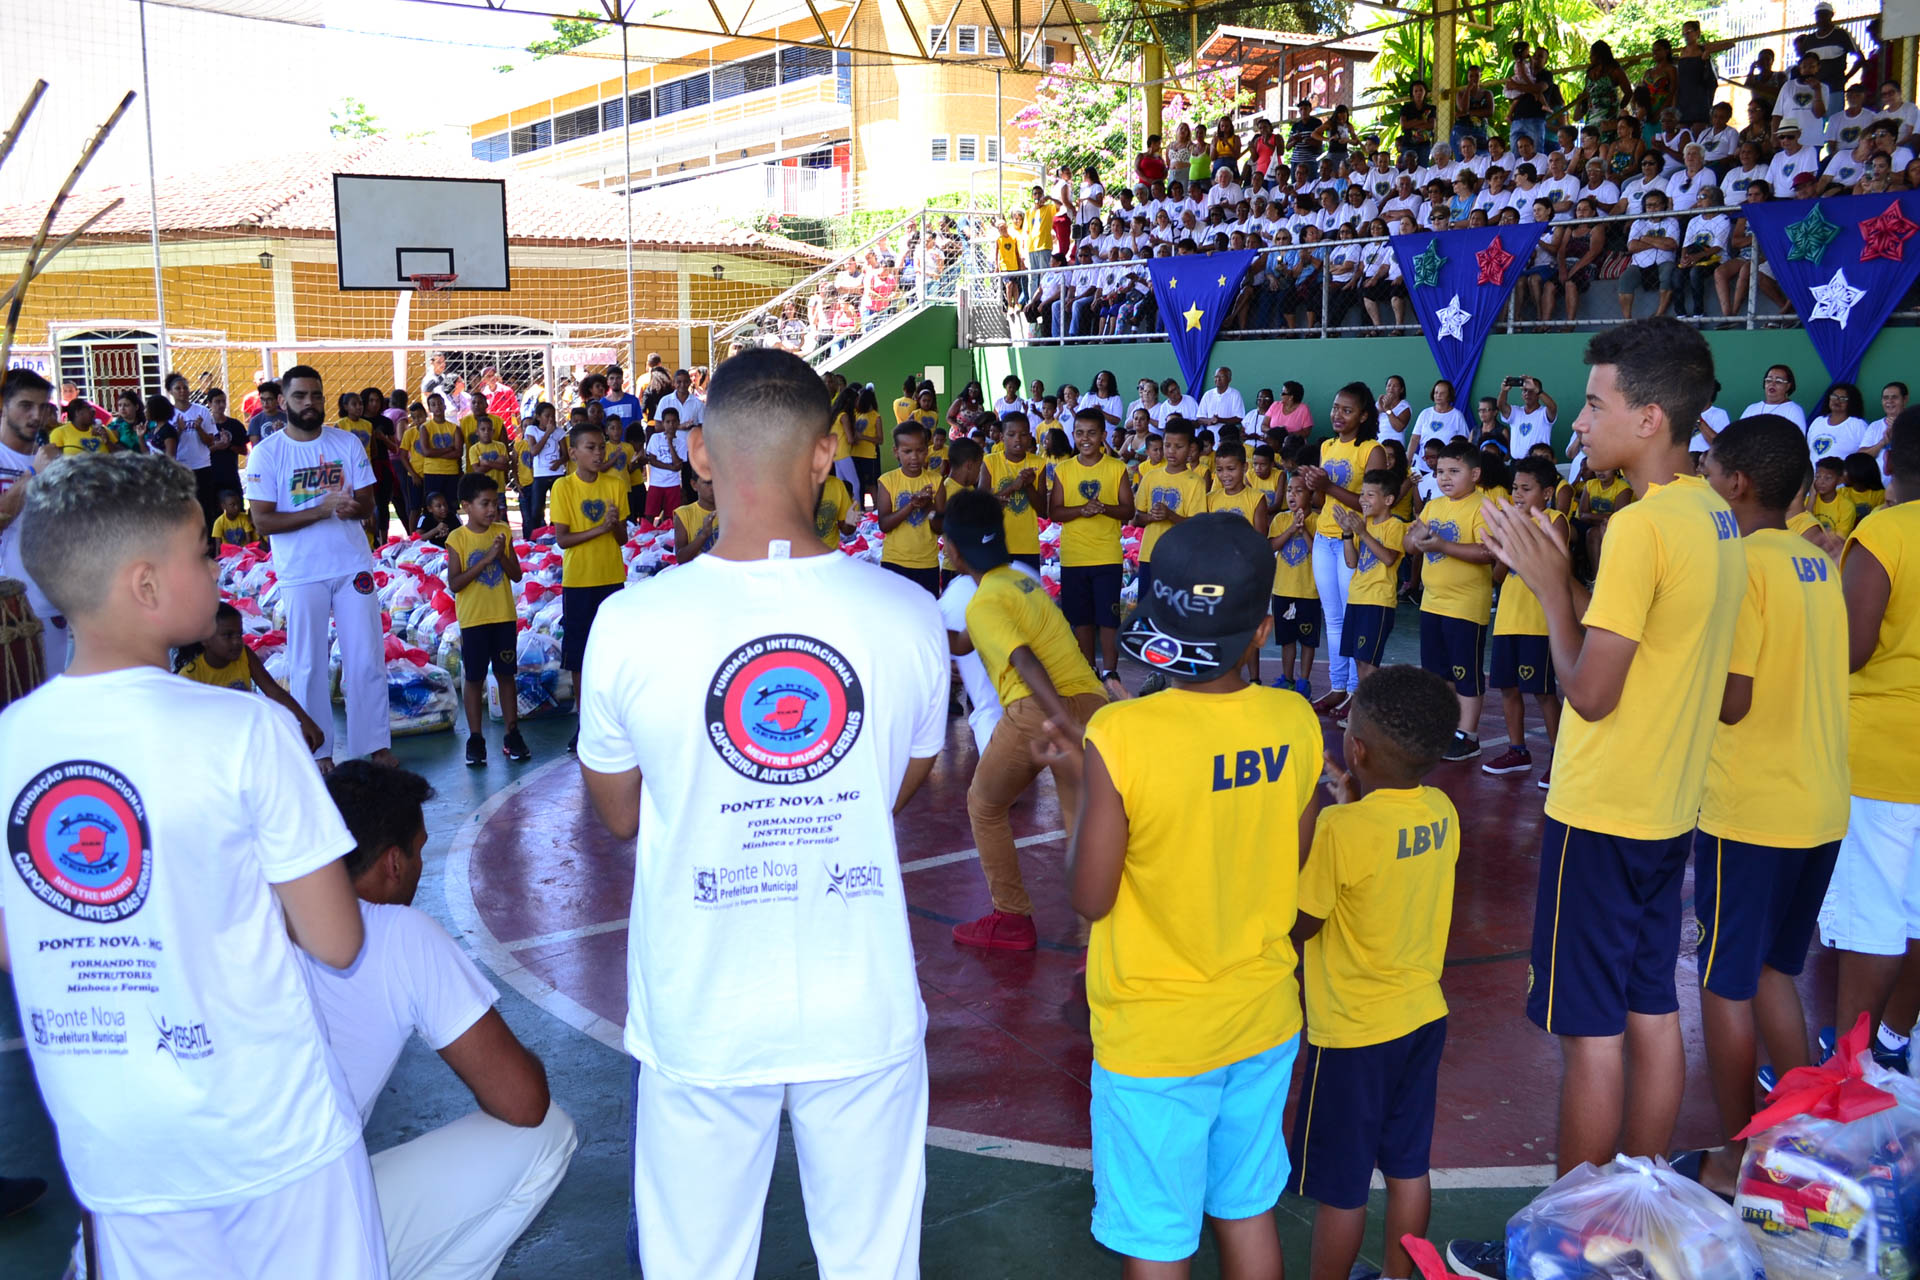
{"x":1844,"y":262}
{"x":1195,"y":294}
{"x":1459,"y":282}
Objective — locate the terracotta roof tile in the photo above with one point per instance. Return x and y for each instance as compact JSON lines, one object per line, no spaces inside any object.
{"x":292,"y":195}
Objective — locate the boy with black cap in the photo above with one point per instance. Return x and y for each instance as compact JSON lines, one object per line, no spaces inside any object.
{"x":1186,"y":855}
{"x":1041,"y":675}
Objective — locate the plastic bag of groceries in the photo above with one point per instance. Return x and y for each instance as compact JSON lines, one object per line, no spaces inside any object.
{"x":536,"y":678}
{"x":1635,"y":1219}
{"x":1831,"y":1181}
{"x":420,"y":698}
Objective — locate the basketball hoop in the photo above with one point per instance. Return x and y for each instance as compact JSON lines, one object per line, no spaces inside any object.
{"x":428,"y":282}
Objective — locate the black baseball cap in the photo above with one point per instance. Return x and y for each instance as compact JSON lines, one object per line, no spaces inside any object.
{"x":976,"y":530}
{"x":1212,"y":577}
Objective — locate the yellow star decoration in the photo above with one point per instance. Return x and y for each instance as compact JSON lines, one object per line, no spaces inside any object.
{"x":1172,"y":283}
{"x":1223,"y":282}
{"x":1193,"y":315}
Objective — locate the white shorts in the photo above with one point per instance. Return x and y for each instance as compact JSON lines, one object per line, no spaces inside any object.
{"x":702,"y":1159}
{"x":325,"y":1226}
{"x":1873,"y":901}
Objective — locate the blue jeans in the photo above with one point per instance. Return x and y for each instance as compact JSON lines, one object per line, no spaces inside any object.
{"x":1535,"y":129}
{"x":1474,"y":131}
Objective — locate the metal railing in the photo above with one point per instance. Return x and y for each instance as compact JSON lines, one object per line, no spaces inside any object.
{"x":986,"y":289}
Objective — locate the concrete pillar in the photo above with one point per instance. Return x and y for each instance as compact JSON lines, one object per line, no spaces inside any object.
{"x":684,"y":306}
{"x":1152,"y":68}
{"x":1444,"y":71}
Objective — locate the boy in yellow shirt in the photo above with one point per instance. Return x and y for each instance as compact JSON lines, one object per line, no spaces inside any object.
{"x":1372,"y":540}
{"x":1237,"y":497}
{"x":1832,"y":505}
{"x":1296,"y":600}
{"x":908,"y":503}
{"x":488,"y":454}
{"x":696,"y":526}
{"x":1091,"y":499}
{"x":1186,"y":857}
{"x":1265,"y":474}
{"x":1522,"y":659}
{"x":233,"y":527}
{"x":1174,"y":493}
{"x":481,"y":566}
{"x":439,"y":449}
{"x":1771,"y":818}
{"x":1040,"y":677}
{"x":224,"y":661}
{"x":833,"y":514}
{"x":1456,"y":597}
{"x":80,"y":433}
{"x":1376,"y":901}
{"x":1015,"y":477}
{"x":1642,"y":665}
{"x":588,"y":510}
{"x":909,"y":400}
{"x":1868,"y":914}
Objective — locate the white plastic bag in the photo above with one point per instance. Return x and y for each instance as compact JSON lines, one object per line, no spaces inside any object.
{"x":1633,"y":1220}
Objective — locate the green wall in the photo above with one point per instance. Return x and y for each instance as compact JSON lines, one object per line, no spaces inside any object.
{"x":1324,"y":365}
{"x":926,"y":340}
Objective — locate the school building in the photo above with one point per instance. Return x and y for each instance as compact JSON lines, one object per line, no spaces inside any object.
{"x":802,"y":128}
{"x":247,"y":275}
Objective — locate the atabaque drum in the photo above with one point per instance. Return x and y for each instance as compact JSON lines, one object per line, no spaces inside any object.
{"x":22,"y":655}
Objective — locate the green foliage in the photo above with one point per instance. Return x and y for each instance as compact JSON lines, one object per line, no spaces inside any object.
{"x":568,"y":34}
{"x":1632,"y":25}
{"x":1307,"y":16}
{"x":352,"y":119}
{"x":1077,"y":121}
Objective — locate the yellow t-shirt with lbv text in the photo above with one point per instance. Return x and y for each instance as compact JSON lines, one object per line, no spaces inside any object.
{"x":911,"y":543}
{"x":1184,"y":493}
{"x":437,"y":435}
{"x":1835,"y":514}
{"x":1779,"y":776}
{"x":1090,"y":540}
{"x":580,"y":505}
{"x":1380,"y":874}
{"x":1020,"y":518}
{"x":234,"y":532}
{"x":1193,"y":968}
{"x":867,"y":427}
{"x":489,"y":597}
{"x":1883,"y":703}
{"x":1011,"y":609}
{"x":1293,"y":562}
{"x":1376,"y":581}
{"x":1450,"y":586}
{"x":1672,"y":577}
{"x":1249,"y":504}
{"x":1520,"y":613}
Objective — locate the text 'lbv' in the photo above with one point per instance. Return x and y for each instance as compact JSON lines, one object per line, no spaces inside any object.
{"x":1415,"y":841}
{"x":1249,"y":767}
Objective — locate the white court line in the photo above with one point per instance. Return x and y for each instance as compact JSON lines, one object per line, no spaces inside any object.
{"x":566,"y":935}
{"x":457,"y":885}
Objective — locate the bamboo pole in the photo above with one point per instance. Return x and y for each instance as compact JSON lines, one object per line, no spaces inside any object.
{"x":63,"y":243}
{"x":30,"y":267}
{"x":20,"y":121}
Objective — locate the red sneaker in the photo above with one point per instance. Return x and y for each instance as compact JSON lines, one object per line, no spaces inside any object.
{"x":1546,"y":777}
{"x":1334,"y":700}
{"x":1512,"y":760}
{"x":998,"y":931}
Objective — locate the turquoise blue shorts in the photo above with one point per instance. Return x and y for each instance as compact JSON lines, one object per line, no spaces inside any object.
{"x":1168,"y":1150}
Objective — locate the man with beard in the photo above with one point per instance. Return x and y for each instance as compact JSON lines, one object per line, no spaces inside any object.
{"x":310,"y":487}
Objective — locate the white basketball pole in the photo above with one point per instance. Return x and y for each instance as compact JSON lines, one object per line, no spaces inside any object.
{"x":626,"y":138}
{"x":153,"y":196}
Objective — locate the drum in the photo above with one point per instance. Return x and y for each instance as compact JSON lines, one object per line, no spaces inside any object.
{"x":22,"y":657}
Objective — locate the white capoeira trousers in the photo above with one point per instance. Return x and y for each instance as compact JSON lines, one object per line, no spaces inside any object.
{"x":363,"y":667}
{"x":703,"y":1158}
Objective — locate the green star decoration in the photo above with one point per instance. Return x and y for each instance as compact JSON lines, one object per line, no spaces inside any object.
{"x":1426,"y":267}
{"x":1811,"y":236}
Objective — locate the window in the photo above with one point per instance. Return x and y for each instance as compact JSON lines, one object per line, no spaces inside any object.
{"x":968,"y":151}
{"x":532,"y":137}
{"x":939,"y":154}
{"x":583,"y":123}
{"x":993,"y":149}
{"x":749,"y":76}
{"x":994,"y":46}
{"x":966,"y":39}
{"x":613,"y":114}
{"x":821,"y":159}
{"x":492,"y":148}
{"x":1045,"y":55}
{"x":799,"y":64}
{"x":640,"y":106}
{"x":680,"y":95}
{"x":937,"y":40}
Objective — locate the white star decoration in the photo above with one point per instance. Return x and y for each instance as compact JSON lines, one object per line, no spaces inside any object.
{"x":1453,"y":320}
{"x":1834,"y":299}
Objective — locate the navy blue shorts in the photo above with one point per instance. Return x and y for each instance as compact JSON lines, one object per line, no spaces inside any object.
{"x":1456,"y":651}
{"x":1090,"y":594}
{"x":578,"y":608}
{"x":1755,"y":905}
{"x":1524,"y":663}
{"x":1606,"y":930}
{"x":1367,"y":1107}
{"x":1296,"y":621}
{"x":1364,"y":632}
{"x":926,"y":578}
{"x":492,"y":645}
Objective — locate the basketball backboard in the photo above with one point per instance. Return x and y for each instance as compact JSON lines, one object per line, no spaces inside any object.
{"x":389,"y":229}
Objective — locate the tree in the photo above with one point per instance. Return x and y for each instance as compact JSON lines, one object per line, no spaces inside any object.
{"x":352,"y":119}
{"x":568,"y":34}
{"x":1305,"y":16}
{"x":1632,"y":26}
{"x":1076,"y":120}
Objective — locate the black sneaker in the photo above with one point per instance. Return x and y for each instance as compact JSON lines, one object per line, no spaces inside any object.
{"x":476,"y":751}
{"x":573,"y":745}
{"x":1461,"y":748}
{"x":1486,"y":1259}
{"x":516,"y":746}
{"x":17,"y":1195}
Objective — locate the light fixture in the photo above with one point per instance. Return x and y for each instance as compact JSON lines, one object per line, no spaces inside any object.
{"x":266,"y":262}
{"x":719,"y":271}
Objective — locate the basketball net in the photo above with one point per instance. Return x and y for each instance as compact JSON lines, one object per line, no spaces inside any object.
{"x":428,"y":282}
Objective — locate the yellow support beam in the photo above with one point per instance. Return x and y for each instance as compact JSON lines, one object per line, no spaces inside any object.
{"x":1909,"y":64}
{"x":1445,"y":17}
{"x":1151,"y":71}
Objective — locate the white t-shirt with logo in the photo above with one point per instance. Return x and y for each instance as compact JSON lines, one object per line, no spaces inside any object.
{"x":294,"y":475}
{"x":410,"y":977}
{"x":1432,"y":424}
{"x":191,"y":451}
{"x":15,"y":467}
{"x":166,"y":1011}
{"x":768,"y":937}
{"x":1826,"y":439}
{"x":1527,"y":428}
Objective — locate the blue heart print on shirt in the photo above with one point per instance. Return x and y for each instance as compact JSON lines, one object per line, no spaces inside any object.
{"x":1446,"y":531}
{"x":1295,"y":551}
{"x":491,"y":576}
{"x":1366,"y":559}
{"x":1090,"y":489}
{"x":917,"y":518}
{"x":1822,"y":445}
{"x":594,"y":509}
{"x":1169,"y":495}
{"x":1340,"y":471}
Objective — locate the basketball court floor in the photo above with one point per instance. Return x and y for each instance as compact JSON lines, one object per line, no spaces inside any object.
{"x":522,"y":875}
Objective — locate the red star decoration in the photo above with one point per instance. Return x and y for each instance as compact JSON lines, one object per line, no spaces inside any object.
{"x":1494,"y":261}
{"x":1886,"y":234}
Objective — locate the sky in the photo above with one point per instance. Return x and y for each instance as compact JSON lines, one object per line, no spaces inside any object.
{"x":225,"y":87}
